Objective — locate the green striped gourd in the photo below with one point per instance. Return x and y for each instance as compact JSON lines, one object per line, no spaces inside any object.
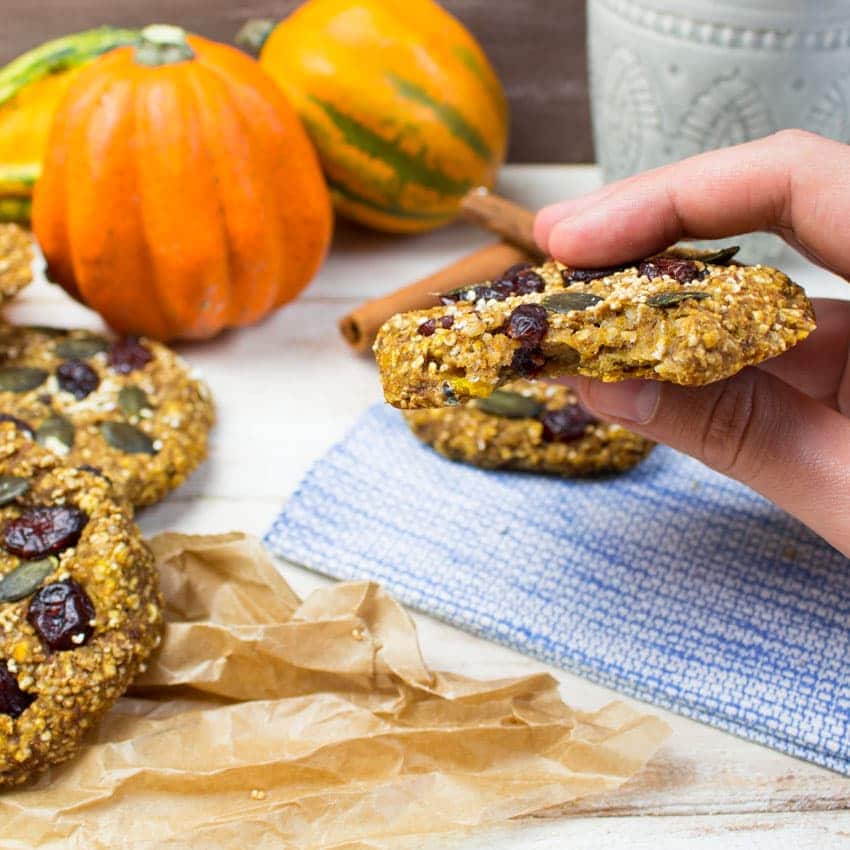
{"x":30,"y":89}
{"x":403,"y":105}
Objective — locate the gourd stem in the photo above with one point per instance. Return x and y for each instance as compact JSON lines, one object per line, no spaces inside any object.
{"x":253,"y":35}
{"x":162,"y":44}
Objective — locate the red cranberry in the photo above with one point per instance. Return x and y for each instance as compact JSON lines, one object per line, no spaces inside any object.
{"x":586,"y":275}
{"x":682,"y":270}
{"x":528,"y":324}
{"x":19,"y":424}
{"x":528,"y":281}
{"x":428,"y":327}
{"x":62,"y":613}
{"x":522,"y":279}
{"x":517,"y":280}
{"x":43,"y":531}
{"x":13,"y":701}
{"x":566,"y":424}
{"x":77,"y":378}
{"x":128,"y":354}
{"x":527,"y":362}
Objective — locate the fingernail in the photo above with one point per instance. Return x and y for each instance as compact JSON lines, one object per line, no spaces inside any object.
{"x":635,"y":401}
{"x":560,"y":238}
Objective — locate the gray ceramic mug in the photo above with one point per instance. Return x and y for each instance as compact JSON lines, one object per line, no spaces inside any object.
{"x":671,"y":78}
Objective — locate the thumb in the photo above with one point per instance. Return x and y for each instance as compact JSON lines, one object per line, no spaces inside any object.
{"x":752,"y":427}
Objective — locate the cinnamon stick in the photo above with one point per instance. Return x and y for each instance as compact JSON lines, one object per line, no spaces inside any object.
{"x":514,"y":223}
{"x":360,"y":327}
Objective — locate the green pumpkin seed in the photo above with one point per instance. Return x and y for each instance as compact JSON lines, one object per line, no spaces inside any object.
{"x":80,"y":348}
{"x":132,"y":401}
{"x":673,"y":299}
{"x":12,"y":486}
{"x":55,"y":433}
{"x":26,"y":578}
{"x":566,"y":302}
{"x":721,"y":256}
{"x":127,"y":438}
{"x":20,"y":379}
{"x":46,"y":330}
{"x":510,"y":405}
{"x":459,"y":293}
{"x":715,"y":256}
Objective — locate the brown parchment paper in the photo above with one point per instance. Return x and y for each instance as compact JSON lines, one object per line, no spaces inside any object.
{"x":268,"y":722}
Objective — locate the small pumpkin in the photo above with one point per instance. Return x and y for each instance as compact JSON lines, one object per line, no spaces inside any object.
{"x":30,"y":88}
{"x":180,"y":193}
{"x":403,"y":105}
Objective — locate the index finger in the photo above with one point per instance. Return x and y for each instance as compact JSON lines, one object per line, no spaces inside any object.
{"x":792,"y":182}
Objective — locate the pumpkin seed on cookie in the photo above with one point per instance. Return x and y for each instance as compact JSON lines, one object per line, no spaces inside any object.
{"x":510,"y":405}
{"x":566,"y":302}
{"x":26,"y":578}
{"x":11,"y":487}
{"x":46,"y":330}
{"x":672,"y":299}
{"x":20,"y":379}
{"x":56,"y":433}
{"x":133,"y":401}
{"x":127,"y":438}
{"x":80,"y":348}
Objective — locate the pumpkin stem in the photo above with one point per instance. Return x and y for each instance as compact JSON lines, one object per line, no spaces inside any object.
{"x":253,"y":34}
{"x":163,"y":44}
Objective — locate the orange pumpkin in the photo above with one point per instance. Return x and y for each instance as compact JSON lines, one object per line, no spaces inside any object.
{"x":180,"y":193}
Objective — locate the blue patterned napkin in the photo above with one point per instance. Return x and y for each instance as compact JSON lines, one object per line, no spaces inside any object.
{"x":672,"y":583}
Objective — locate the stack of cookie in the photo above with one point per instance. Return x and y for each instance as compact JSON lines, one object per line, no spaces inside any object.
{"x":90,"y":427}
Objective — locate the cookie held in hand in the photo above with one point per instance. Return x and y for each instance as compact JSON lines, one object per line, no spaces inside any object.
{"x":671,"y":317}
{"x":529,"y":426}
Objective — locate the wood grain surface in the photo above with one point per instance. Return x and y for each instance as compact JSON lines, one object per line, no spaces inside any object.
{"x":536,"y":45}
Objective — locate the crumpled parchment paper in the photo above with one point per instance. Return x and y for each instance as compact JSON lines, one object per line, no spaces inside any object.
{"x":268,"y":722}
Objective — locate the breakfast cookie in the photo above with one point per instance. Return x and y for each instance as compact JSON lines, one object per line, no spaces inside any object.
{"x":129,"y":408}
{"x":16,"y":257}
{"x":670,"y":317}
{"x":79,"y":606}
{"x":529,"y":426}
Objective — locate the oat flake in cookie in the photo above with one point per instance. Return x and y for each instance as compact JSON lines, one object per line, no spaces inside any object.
{"x":79,"y":606}
{"x":16,"y":256}
{"x":127,"y":408}
{"x":530,"y":426}
{"x":672,"y":317}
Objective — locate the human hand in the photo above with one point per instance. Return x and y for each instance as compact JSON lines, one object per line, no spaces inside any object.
{"x":782,"y":428}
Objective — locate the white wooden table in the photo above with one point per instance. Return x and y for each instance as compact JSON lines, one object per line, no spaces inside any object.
{"x":289,"y":388}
